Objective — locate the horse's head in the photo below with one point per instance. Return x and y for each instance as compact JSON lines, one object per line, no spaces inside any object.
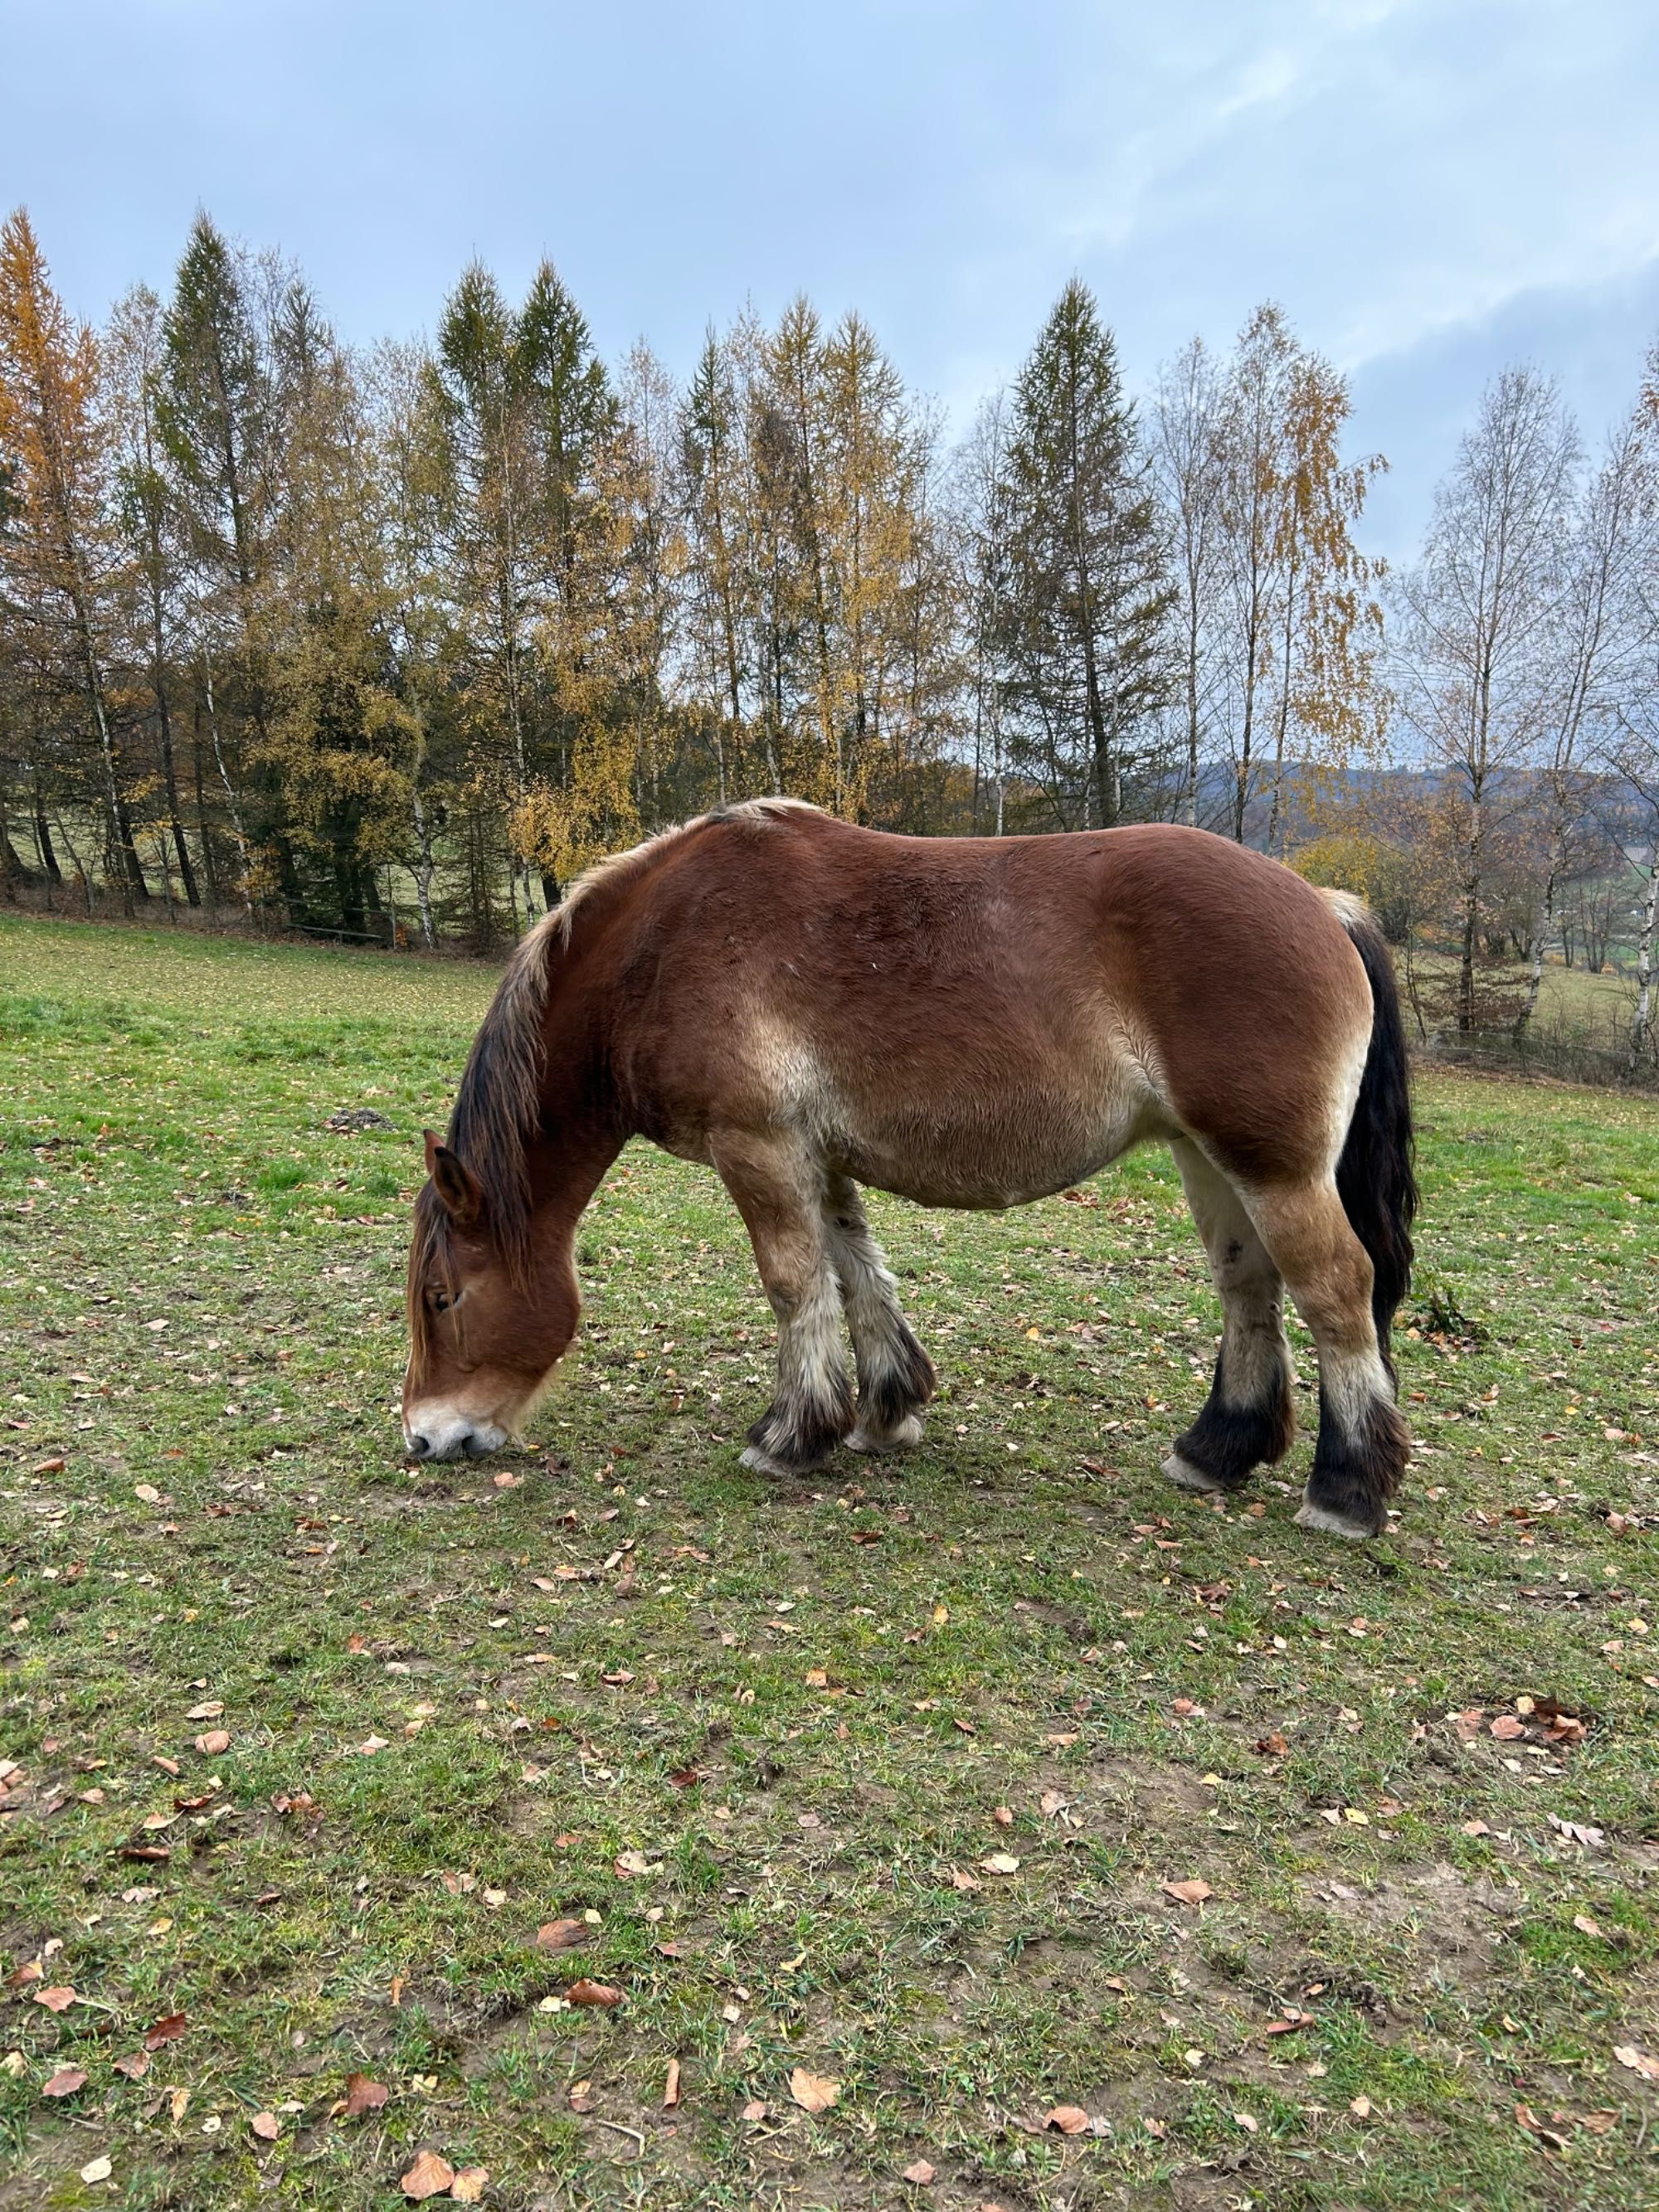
{"x":488,"y":1317}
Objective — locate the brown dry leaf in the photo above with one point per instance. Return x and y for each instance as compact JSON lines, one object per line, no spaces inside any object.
{"x":753,"y":2111}
{"x":210,"y":1710}
{"x":1360,"y":2106}
{"x":469,"y":2184}
{"x":1003,"y":1862}
{"x":1002,"y":1817}
{"x":266,"y":2126}
{"x":1598,"y":2124}
{"x":1066,"y":2119}
{"x":584,"y":1992}
{"x":1051,"y":1804}
{"x":65,"y":2082}
{"x":33,"y":1971}
{"x":811,"y":2092}
{"x":671,"y":2087}
{"x":135,"y":2065}
{"x":1585,"y":1925}
{"x":1191,"y":1893}
{"x":212,"y":1742}
{"x":560,"y":1934}
{"x":56,"y":1999}
{"x":581,"y":2096}
{"x":1507,"y":1727}
{"x":1638,"y":2061}
{"x":429,"y":2176}
{"x":630,"y":1864}
{"x":179,"y":2104}
{"x":920,"y":2174}
{"x":363,"y":2094}
{"x":1273,"y":1746}
{"x":165,"y":2030}
{"x":964,"y":1881}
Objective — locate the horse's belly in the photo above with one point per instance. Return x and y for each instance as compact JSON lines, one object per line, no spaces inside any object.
{"x":985,"y":1153}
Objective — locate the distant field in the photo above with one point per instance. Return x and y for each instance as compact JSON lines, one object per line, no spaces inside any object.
{"x":879,"y":1775}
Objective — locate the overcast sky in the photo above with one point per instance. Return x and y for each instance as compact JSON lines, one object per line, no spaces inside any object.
{"x":1431,"y":187}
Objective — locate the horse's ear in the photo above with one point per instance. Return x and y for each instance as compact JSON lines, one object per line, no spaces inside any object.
{"x":453,"y":1180}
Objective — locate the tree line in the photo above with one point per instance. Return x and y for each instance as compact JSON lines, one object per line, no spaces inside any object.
{"x":390,"y":642}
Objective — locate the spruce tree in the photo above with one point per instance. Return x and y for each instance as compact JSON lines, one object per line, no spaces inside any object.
{"x":1084,"y":640}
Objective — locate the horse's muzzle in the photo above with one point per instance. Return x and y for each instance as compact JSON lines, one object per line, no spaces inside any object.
{"x":439,"y":1435}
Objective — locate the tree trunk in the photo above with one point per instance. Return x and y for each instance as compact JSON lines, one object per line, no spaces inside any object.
{"x":1639,"y":1028}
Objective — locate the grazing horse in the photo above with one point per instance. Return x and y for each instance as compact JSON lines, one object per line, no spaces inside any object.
{"x":805,"y":1006}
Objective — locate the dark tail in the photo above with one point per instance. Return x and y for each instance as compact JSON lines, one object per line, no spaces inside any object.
{"x":1374,"y":1177}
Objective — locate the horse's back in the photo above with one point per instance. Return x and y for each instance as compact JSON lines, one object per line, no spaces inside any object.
{"x":973,"y":1019}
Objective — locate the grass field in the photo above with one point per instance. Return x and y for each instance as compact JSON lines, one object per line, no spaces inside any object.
{"x":879,"y":1775}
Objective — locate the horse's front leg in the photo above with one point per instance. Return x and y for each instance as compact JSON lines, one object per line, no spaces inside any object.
{"x":895,"y":1376}
{"x":778,"y":1187}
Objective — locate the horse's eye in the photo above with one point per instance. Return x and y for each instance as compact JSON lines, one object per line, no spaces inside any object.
{"x":440,"y":1301}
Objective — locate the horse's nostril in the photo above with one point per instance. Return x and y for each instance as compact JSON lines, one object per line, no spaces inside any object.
{"x":419,"y":1446}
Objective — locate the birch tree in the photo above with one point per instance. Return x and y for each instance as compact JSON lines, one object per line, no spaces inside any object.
{"x":1472,"y":656}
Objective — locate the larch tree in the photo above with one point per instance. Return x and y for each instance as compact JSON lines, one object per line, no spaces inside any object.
{"x":61,"y":558}
{"x":135,"y":353}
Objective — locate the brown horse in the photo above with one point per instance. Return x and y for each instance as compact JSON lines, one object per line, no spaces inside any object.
{"x":805,"y":1006}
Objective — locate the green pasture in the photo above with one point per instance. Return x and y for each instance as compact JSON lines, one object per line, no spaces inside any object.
{"x":1101,"y":1846}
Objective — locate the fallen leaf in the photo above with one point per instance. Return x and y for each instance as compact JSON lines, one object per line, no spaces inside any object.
{"x":96,"y":2169}
{"x":1585,"y":1925}
{"x":811,"y":2092}
{"x":1272,"y":1746}
{"x":1577,"y":1832}
{"x":1188,"y":1892}
{"x":1247,"y":2121}
{"x":920,"y":2172}
{"x":429,"y":2177}
{"x":671,"y":2087}
{"x":584,"y":1992}
{"x":468,"y":2187}
{"x":178,"y":2104}
{"x":1066,"y":2119}
{"x":266,"y":2126}
{"x":754,"y":2110}
{"x":208,"y":1710}
{"x":1507,"y":1727}
{"x":363,"y":2094}
{"x":581,"y":2097}
{"x":630,"y":1864}
{"x":165,"y":2030}
{"x":1638,"y":2061}
{"x":135,"y":2065}
{"x":560,"y":1934}
{"x":55,"y":2000}
{"x":212,"y":1742}
{"x":1361,"y":2107}
{"x":1000,"y":1863}
{"x":65,"y":2082}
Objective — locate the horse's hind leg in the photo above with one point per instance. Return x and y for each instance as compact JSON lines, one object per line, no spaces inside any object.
{"x":1248,"y":1417}
{"x":1364,"y":1445}
{"x":896,"y":1376}
{"x":778,"y":1187}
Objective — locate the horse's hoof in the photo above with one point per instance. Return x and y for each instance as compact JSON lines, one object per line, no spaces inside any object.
{"x":763,"y":1462}
{"x":1186,"y":1476}
{"x":1309,"y":1516}
{"x":908,"y":1433}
